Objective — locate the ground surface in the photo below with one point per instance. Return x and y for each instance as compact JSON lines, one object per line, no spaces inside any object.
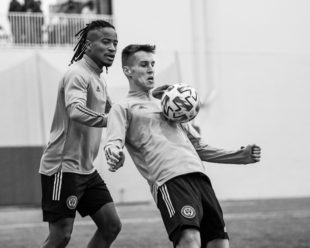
{"x":276,"y":223}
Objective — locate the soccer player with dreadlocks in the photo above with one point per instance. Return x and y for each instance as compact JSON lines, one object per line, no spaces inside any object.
{"x":68,"y":177}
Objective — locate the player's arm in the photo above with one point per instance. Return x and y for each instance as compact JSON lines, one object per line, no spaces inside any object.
{"x":244,"y":155}
{"x":79,"y":113}
{"x":115,"y":136}
{"x":75,"y":99}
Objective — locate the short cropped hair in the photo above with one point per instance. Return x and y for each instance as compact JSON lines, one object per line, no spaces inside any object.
{"x":130,"y":50}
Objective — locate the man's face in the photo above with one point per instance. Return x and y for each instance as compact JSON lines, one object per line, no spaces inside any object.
{"x":141,"y":70}
{"x":103,"y":44}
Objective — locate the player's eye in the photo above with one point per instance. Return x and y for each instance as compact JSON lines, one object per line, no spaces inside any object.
{"x":143,"y":64}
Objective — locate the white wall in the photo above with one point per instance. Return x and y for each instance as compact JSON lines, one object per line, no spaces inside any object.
{"x":29,"y":83}
{"x":258,"y":66}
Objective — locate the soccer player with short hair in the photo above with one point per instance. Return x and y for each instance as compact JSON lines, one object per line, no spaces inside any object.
{"x":169,"y":156}
{"x":68,"y":177}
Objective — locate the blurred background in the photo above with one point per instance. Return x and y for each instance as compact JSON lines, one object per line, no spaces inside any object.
{"x":249,"y":61}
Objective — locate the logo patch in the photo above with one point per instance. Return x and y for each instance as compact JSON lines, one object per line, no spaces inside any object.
{"x":98,"y":89}
{"x":72,"y":202}
{"x":188,"y":212}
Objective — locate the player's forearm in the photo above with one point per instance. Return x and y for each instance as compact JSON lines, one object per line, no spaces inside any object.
{"x":86,"y":116}
{"x":215,"y":155}
{"x":111,"y":144}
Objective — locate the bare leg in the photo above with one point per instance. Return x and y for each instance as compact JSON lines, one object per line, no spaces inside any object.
{"x":108,"y":224}
{"x":218,"y":243}
{"x":190,"y":238}
{"x":59,"y":233}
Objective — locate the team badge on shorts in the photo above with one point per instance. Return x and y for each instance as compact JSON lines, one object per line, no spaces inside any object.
{"x":188,"y":212}
{"x":72,"y":202}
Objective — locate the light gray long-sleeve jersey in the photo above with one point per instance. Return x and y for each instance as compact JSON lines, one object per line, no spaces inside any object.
{"x":161,"y":150}
{"x":78,"y":120}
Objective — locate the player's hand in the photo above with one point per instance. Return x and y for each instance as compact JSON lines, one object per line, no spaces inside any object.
{"x":159,"y":91}
{"x":256,"y":153}
{"x":253,"y":152}
{"x":115,"y":166}
{"x":115,"y":158}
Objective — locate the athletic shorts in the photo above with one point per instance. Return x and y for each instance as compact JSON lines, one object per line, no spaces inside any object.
{"x":188,"y":201}
{"x":64,"y":193}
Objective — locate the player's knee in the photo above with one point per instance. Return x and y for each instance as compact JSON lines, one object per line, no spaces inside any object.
{"x":58,"y":241}
{"x":116,"y":228}
{"x":189,"y":238}
{"x":111,"y":231}
{"x":65,"y":239}
{"x":60,"y":232}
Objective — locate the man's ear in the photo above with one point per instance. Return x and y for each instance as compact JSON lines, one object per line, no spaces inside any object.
{"x":126,"y":71}
{"x":88,"y":44}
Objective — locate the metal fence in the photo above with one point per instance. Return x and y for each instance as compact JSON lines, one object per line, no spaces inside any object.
{"x":36,"y":29}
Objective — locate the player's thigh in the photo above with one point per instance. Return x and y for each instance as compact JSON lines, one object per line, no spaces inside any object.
{"x":213,"y":225}
{"x":106,"y":218}
{"x":190,"y":237}
{"x":94,"y":196}
{"x":180,"y":206}
{"x":60,"y":229}
{"x":218,"y":243}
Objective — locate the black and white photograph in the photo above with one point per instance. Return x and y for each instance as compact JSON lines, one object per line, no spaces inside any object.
{"x":155,"y":123}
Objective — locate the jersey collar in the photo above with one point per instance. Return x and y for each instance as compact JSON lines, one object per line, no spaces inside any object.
{"x":92,"y":64}
{"x":139,"y":93}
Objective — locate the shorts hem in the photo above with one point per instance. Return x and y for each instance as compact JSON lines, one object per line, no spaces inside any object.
{"x":93,"y":211}
{"x":218,"y":236}
{"x":54,"y":217}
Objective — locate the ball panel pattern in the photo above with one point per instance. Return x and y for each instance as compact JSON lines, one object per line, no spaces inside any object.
{"x":180,"y":103}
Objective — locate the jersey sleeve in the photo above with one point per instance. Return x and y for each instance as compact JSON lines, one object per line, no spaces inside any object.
{"x":211,"y":154}
{"x":75,"y":91}
{"x":79,"y":113}
{"x":117,"y":126}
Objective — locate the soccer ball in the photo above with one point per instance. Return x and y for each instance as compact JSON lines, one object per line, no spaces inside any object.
{"x":180,"y":103}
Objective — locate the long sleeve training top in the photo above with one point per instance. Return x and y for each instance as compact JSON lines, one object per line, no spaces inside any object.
{"x":161,"y":150}
{"x":79,"y":115}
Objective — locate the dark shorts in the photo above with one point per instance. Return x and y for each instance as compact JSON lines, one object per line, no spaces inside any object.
{"x":64,"y":193}
{"x":188,"y":201}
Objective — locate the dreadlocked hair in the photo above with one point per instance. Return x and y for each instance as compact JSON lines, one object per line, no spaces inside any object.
{"x":80,"y":47}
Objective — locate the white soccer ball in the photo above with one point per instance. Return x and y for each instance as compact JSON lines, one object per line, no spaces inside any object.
{"x":180,"y":103}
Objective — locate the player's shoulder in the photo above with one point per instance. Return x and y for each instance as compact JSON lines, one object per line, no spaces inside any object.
{"x":123,"y":103}
{"x":76,"y":71}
